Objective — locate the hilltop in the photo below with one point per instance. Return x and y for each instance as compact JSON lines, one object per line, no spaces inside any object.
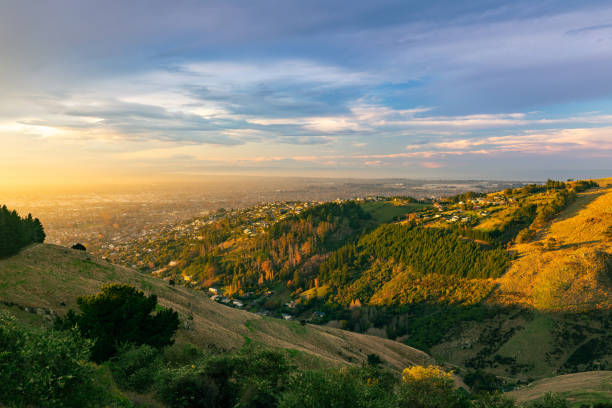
{"x":45,"y":280}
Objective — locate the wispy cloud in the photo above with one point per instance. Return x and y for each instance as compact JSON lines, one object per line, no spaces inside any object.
{"x":382,"y":86}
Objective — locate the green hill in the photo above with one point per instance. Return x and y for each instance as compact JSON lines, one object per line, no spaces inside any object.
{"x":516,"y":282}
{"x":45,"y":280}
{"x":554,"y":302}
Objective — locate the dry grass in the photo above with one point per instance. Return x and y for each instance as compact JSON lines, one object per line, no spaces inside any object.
{"x":565,"y":267}
{"x":579,"y":388}
{"x":51,"y":277}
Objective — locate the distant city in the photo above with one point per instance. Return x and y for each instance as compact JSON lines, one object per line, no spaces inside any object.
{"x":104,"y":220}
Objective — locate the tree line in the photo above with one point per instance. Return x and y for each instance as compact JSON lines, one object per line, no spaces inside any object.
{"x":424,"y":250}
{"x":17,"y":232}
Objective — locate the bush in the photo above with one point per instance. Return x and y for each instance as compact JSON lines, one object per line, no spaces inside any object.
{"x":121,"y":314}
{"x":178,"y":355}
{"x":134,"y":368}
{"x":186,"y":388}
{"x":493,"y":401}
{"x":49,"y":369}
{"x":343,"y":388}
{"x":549,"y":401}
{"x":249,"y":378}
{"x":430,"y":387}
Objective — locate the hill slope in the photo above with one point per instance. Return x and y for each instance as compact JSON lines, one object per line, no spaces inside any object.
{"x":554,"y":302}
{"x":44,"y":280}
{"x":580,"y":388}
{"x":568,"y":266}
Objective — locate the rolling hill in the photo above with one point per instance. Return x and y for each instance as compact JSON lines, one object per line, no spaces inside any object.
{"x":554,"y":301}
{"x":44,"y":280}
{"x":544,"y":310}
{"x":581,"y":388}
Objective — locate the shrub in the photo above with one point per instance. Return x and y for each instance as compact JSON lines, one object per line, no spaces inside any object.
{"x":249,"y":378}
{"x":187,"y":387}
{"x":134,"y":368}
{"x":429,"y":387}
{"x":121,"y":314}
{"x":49,"y":369}
{"x":343,"y":388}
{"x":493,"y":401}
{"x":549,"y":401}
{"x":178,"y":355}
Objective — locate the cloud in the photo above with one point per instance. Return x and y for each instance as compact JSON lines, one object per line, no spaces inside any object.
{"x":433,"y":165}
{"x":309,"y":83}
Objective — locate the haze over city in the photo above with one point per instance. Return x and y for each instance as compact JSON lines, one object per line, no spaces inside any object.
{"x":153,"y":90}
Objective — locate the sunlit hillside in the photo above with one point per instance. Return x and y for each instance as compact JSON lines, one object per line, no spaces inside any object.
{"x":45,"y":280}
{"x":568,"y":264}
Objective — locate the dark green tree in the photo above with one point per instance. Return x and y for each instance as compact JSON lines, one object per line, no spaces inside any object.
{"x":121,"y":314}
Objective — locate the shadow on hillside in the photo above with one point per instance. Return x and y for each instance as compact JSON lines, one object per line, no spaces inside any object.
{"x":577,"y":244}
{"x":571,"y":211}
{"x":581,"y":201}
{"x":515,"y":341}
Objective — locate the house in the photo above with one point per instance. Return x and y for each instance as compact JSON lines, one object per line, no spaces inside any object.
{"x":287,"y":316}
{"x":237,"y":303}
{"x":215,"y":291}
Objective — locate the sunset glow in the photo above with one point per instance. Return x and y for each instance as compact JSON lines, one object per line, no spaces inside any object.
{"x":95,"y":91}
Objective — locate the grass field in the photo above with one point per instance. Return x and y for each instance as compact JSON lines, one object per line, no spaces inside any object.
{"x":385,"y":211}
{"x":580,"y":388}
{"x":529,"y":345}
{"x":43,"y":280}
{"x":566,"y":267}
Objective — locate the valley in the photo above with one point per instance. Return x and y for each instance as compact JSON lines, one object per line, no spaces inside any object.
{"x":504,"y":288}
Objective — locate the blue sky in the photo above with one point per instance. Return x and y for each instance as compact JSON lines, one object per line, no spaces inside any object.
{"x":481,"y":89}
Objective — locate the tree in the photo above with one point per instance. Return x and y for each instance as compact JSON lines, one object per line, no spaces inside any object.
{"x":429,"y":387}
{"x":17,"y":232}
{"x":121,"y":314}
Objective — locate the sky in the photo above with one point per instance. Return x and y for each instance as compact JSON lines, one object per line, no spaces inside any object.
{"x":117,"y":90}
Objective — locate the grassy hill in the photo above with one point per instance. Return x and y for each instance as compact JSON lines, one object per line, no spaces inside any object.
{"x":581,"y":388}
{"x":568,"y":265}
{"x":554,"y":301}
{"x":44,"y":280}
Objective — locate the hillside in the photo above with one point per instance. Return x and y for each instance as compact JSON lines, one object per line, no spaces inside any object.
{"x":513,"y":282}
{"x":568,"y":265}
{"x":44,"y":280}
{"x":553,"y":304}
{"x":580,"y":388}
